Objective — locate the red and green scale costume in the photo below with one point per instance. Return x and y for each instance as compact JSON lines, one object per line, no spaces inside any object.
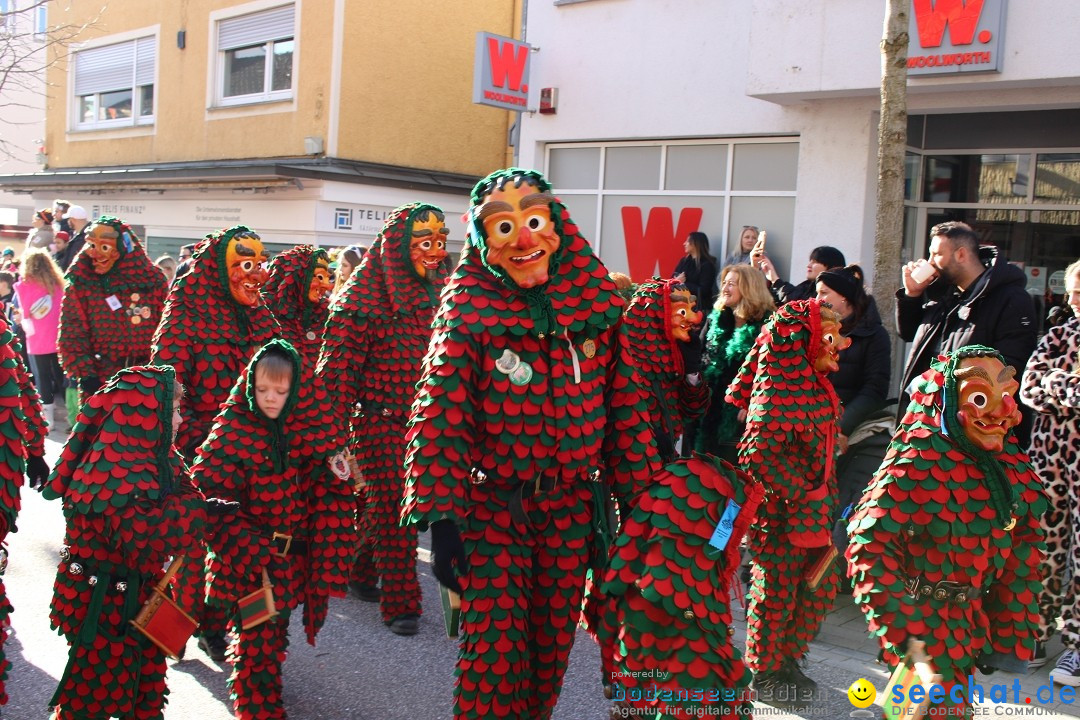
{"x":129,"y":505}
{"x":22,"y":434}
{"x":378,"y":333}
{"x":791,"y":428}
{"x":519,"y":466}
{"x":286,"y":295}
{"x":938,"y":509}
{"x":259,"y":463}
{"x":655,"y":353}
{"x":667,"y":622}
{"x":107,"y":321}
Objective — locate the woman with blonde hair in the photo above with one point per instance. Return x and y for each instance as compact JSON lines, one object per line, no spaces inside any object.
{"x":742,"y":307}
{"x":39,"y":293}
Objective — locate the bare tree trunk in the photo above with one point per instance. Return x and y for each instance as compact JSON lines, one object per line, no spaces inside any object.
{"x":892,"y":143}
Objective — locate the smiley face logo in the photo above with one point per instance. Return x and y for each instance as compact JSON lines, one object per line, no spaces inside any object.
{"x":861,"y":693}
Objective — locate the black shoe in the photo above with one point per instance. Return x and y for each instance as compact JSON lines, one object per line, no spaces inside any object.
{"x":405,"y":625}
{"x":776,"y":688}
{"x":805,"y":686}
{"x":1039,"y":658}
{"x":214,"y":646}
{"x":367,"y":593}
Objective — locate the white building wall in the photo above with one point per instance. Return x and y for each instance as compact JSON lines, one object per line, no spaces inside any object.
{"x":22,"y":121}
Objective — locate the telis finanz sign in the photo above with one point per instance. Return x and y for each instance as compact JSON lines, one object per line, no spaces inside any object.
{"x":501,"y":72}
{"x":955,"y":36}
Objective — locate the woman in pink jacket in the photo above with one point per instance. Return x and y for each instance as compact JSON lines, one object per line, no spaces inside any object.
{"x":39,"y":293}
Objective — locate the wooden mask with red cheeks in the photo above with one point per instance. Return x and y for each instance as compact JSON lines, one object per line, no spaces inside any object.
{"x":521,"y":237}
{"x":427,"y":247}
{"x":986,"y":393}
{"x":322,"y":282}
{"x":101,"y":246}
{"x":832,"y":342}
{"x":685,"y":317}
{"x":244,"y":259}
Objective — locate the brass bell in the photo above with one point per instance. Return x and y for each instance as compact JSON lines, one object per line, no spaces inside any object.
{"x":689,"y":614}
{"x":961,"y":598}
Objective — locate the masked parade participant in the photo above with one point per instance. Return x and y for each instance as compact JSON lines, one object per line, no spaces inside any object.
{"x":791,"y":431}
{"x":213,"y":323}
{"x":945,"y":544}
{"x":526,"y":419}
{"x":376,"y":338}
{"x":288,"y":531}
{"x":129,"y":505}
{"x":112,"y":304}
{"x":297,"y":292}
{"x":661,"y":324}
{"x":22,"y":450}
{"x":668,"y":625}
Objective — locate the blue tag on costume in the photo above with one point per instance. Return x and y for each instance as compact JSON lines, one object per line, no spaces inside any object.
{"x":722,"y":533}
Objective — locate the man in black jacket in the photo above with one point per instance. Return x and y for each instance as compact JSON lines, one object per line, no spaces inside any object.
{"x":974,"y":298}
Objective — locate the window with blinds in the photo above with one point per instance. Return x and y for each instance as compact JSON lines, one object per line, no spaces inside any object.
{"x":114,"y":84}
{"x":255,"y":56}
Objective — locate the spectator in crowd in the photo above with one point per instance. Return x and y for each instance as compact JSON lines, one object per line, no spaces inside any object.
{"x":347,"y":262}
{"x":741,"y":255}
{"x":60,"y":242}
{"x":822,"y":258}
{"x":41,"y":230}
{"x":7,"y":295}
{"x":972,"y":297}
{"x":184,"y":267}
{"x":733,"y":325}
{"x":60,"y":220}
{"x":167,"y":263}
{"x":39,"y":293}
{"x":1051,"y":386}
{"x":7,"y":261}
{"x":697,"y":269}
{"x":78,"y":219}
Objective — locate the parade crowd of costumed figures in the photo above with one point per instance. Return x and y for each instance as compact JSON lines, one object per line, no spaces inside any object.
{"x":275,"y":435}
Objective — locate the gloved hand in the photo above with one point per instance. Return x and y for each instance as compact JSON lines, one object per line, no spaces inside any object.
{"x":691,"y":354}
{"x":89,"y":385}
{"x":447,"y":554}
{"x":37,"y":471}
{"x":218,"y":508}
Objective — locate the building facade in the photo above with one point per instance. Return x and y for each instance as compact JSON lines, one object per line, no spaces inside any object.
{"x":711,"y":115}
{"x":308,"y":120}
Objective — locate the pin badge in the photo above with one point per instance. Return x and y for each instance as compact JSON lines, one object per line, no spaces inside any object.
{"x":508,"y":363}
{"x":522,"y":374}
{"x":310,"y":335}
{"x":589,"y":348}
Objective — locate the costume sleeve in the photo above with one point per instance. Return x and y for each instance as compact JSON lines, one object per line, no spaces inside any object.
{"x":693,"y":400}
{"x":1010,"y":604}
{"x":909,"y":315}
{"x":343,"y":359}
{"x":172,"y":345}
{"x":148,"y":531}
{"x":629,"y":448}
{"x":1050,"y":382}
{"x":875,"y":375}
{"x":73,"y":342}
{"x":1014,"y":332}
{"x":442,"y":429}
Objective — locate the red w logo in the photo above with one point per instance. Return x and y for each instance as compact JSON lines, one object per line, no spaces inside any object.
{"x":932,"y":18}
{"x":506,"y":65}
{"x":659,"y":241}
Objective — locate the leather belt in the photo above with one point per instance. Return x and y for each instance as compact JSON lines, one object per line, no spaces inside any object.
{"x":920,"y":588}
{"x":284,"y":545}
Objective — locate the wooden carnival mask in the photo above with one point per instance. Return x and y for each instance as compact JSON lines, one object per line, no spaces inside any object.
{"x":521,"y":236}
{"x":322,"y":281}
{"x":986,"y":394}
{"x":685,"y":317}
{"x":101,"y":246}
{"x":244,"y":258}
{"x":427,"y":247}
{"x":832,"y":342}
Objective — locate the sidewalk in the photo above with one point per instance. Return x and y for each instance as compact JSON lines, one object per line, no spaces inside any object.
{"x":843,"y":648}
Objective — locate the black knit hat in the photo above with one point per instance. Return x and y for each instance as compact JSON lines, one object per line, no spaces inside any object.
{"x":828,"y":256}
{"x":847,"y":281}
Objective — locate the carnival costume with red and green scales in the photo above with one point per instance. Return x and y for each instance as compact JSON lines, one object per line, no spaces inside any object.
{"x":656,"y":357}
{"x":129,"y":505}
{"x":259,"y":463}
{"x":791,"y":427}
{"x":22,"y":434}
{"x":518,"y":460}
{"x":667,"y":622}
{"x":378,"y":333}
{"x":107,"y":321}
{"x":938,"y":510}
{"x":286,"y":295}
{"x":208,"y":337}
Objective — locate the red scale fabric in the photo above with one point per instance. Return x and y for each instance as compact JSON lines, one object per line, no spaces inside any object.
{"x":96,"y":340}
{"x":376,"y":339}
{"x":928,"y":513}
{"x":791,"y":425}
{"x":575,"y":414}
{"x":302,"y":499}
{"x":125,"y":518}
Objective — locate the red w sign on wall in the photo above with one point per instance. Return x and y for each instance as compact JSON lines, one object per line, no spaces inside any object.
{"x":932,"y":18}
{"x":657,"y":241}
{"x":955,"y":36}
{"x":501,"y":72}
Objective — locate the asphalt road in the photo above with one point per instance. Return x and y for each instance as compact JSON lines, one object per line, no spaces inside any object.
{"x":358,"y":670}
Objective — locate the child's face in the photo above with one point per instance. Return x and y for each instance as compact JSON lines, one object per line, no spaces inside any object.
{"x":271,"y":394}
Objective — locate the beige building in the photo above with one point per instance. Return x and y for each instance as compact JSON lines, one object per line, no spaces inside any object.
{"x":308,"y":120}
